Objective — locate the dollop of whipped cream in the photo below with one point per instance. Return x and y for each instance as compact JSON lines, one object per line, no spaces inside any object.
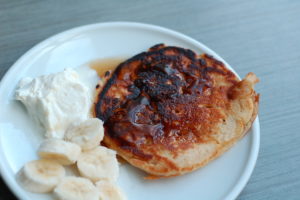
{"x":57,"y":100}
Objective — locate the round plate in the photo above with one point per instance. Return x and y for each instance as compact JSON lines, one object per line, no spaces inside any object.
{"x":222,"y":179}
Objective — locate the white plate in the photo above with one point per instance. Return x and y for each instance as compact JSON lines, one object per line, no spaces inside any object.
{"x":222,"y":179}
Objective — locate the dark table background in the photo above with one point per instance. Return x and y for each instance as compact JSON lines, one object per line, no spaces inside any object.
{"x":258,"y":36}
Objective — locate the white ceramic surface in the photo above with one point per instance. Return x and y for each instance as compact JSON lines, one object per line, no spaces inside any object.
{"x":222,"y":179}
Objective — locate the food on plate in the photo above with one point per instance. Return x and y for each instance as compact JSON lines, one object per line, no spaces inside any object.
{"x":109,"y":191}
{"x":87,"y":134}
{"x":71,"y":188}
{"x":166,"y":111}
{"x":169,"y":111}
{"x":62,"y":102}
{"x":56,"y":100}
{"x":40,"y":176}
{"x":98,"y":164}
{"x":63,"y":152}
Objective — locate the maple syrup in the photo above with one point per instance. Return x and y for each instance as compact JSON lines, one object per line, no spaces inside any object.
{"x":101,"y":66}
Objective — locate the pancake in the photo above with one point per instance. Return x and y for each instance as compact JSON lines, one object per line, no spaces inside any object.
{"x":169,"y":111}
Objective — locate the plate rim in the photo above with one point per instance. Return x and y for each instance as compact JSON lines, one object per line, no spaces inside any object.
{"x":255,"y":136}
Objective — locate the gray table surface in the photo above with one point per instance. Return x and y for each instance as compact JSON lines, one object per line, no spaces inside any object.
{"x":258,"y":36}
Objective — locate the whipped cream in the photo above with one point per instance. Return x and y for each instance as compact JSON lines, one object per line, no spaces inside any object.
{"x":57,"y":100}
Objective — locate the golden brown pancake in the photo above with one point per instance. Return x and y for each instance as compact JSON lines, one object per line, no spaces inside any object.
{"x":169,"y":111}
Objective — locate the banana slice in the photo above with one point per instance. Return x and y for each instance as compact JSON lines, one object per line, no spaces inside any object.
{"x":76,"y":188}
{"x":88,"y":134}
{"x":109,"y":191}
{"x":40,"y":176}
{"x":65,"y":153}
{"x":99,"y":163}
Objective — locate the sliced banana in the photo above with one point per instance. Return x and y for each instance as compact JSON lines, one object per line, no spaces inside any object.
{"x":109,"y":191}
{"x":88,"y":134}
{"x":40,"y":176}
{"x":76,"y":188}
{"x":66,"y":153}
{"x":98,"y":164}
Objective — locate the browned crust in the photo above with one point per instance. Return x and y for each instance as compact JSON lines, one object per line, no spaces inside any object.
{"x":226,"y":146}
